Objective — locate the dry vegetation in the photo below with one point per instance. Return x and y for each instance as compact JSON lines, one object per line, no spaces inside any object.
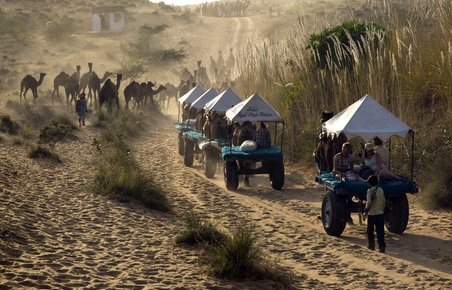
{"x":408,"y":72}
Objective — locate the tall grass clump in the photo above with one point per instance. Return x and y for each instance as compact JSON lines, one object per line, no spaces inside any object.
{"x":120,"y":177}
{"x":199,"y":231}
{"x":406,"y":66}
{"x":233,"y":256}
{"x":241,"y":257}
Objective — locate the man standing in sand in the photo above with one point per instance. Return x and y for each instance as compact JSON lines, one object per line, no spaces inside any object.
{"x":375,"y":211}
{"x":81,"y":109}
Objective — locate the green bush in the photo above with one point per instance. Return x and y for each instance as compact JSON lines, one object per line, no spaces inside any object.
{"x":198,"y":231}
{"x":57,"y":130}
{"x":324,"y":45}
{"x":40,"y":152}
{"x":120,"y":177}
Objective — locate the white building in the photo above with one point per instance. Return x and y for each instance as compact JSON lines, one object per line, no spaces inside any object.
{"x":108,"y":18}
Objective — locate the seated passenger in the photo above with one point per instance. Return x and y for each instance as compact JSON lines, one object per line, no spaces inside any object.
{"x":343,"y":163}
{"x":262,"y":136}
{"x":372,"y":162}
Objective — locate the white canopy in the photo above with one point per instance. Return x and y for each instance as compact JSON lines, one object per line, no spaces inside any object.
{"x":366,"y":118}
{"x":204,"y":98}
{"x":253,"y":109}
{"x":192,"y":95}
{"x":224,"y":101}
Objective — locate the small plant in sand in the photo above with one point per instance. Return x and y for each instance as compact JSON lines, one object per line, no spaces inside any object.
{"x":125,"y":125}
{"x":42,"y":152}
{"x":199,"y":231}
{"x":120,"y":177}
{"x":235,"y":256}
{"x":8,"y":126}
{"x":240,"y":256}
{"x":57,"y":130}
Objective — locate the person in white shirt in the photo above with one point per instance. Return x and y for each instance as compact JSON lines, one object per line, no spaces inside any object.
{"x":374,"y":209}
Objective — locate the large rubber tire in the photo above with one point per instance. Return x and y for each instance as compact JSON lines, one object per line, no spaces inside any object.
{"x":333,"y":214}
{"x":209,"y":164}
{"x":277,"y":175}
{"x":231,"y":175}
{"x":189,"y":153}
{"x":397,"y":214}
{"x":180,"y":143}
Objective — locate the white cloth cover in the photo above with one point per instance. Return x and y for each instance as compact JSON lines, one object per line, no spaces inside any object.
{"x":204,"y":98}
{"x":248,"y":146}
{"x":224,"y":101}
{"x":366,"y":118}
{"x":192,"y":95}
{"x":254,"y":109}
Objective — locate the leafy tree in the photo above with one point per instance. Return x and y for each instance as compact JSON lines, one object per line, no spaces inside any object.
{"x":335,"y":45}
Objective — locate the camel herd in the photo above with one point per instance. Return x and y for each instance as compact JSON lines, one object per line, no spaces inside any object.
{"x":101,"y":91}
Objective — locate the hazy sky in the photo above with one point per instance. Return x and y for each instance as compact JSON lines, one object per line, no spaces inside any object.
{"x":182,"y":2}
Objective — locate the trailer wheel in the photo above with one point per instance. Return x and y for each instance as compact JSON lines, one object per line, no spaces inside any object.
{"x":333,"y":214}
{"x":180,"y":143}
{"x":189,"y":152}
{"x":397,"y":212}
{"x":209,"y":163}
{"x":277,"y":175}
{"x":231,"y":175}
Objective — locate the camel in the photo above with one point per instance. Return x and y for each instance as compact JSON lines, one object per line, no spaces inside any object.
{"x":71,"y":88}
{"x":84,"y":80}
{"x":60,"y":80}
{"x":215,"y":126}
{"x":134,"y":90}
{"x":29,"y":82}
{"x":149,"y":92}
{"x":109,"y":93}
{"x":94,"y":86}
{"x":168,"y":94}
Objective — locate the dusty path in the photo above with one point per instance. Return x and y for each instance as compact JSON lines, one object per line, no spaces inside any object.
{"x":289,"y":228}
{"x":55,"y":232}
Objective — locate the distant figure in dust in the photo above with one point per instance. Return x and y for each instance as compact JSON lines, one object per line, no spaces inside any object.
{"x":220,"y":60}
{"x":230,"y":63}
{"x":81,"y":108}
{"x":212,"y":69}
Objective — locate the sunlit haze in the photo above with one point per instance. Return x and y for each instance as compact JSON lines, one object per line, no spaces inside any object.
{"x":182,"y":2}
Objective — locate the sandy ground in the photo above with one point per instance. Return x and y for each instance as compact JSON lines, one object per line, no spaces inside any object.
{"x":55,"y":232}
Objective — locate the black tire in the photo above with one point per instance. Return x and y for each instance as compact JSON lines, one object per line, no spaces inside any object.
{"x":189,"y":153}
{"x":397,"y":213}
{"x":277,"y":175}
{"x":209,"y":164}
{"x":231,"y":175}
{"x":180,"y":143}
{"x":333,"y":214}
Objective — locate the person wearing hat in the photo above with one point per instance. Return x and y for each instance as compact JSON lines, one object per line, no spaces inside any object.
{"x":262,"y":136}
{"x":81,"y":108}
{"x":372,"y":161}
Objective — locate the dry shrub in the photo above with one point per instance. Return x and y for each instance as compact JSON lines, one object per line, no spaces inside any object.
{"x":120,"y":177}
{"x":199,"y":231}
{"x":57,"y":130}
{"x":41,"y":152}
{"x":8,"y":126}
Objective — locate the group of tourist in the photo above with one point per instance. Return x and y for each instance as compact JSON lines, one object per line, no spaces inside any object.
{"x":375,"y":162}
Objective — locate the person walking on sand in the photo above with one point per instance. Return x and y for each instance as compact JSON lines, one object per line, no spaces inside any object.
{"x":81,"y":108}
{"x":374,"y":210}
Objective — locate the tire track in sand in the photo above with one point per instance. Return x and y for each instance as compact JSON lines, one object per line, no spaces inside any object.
{"x":289,"y":234}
